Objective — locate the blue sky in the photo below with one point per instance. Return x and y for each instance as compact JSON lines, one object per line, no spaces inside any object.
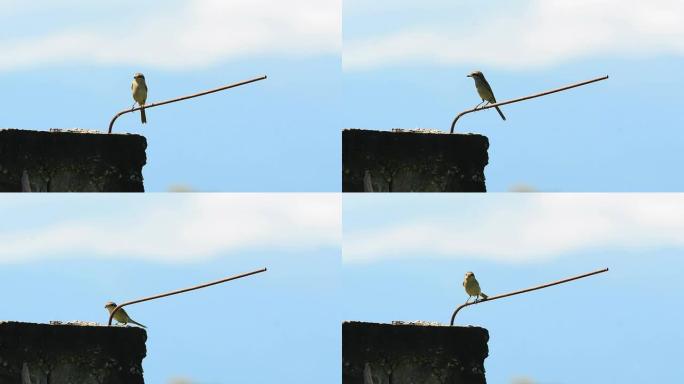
{"x":382,"y":65}
{"x":410,"y":252}
{"x":405,"y":65}
{"x":65,"y":256}
{"x":69,"y":64}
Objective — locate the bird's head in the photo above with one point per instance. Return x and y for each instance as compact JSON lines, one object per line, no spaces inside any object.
{"x":475,"y":74}
{"x":469,"y":275}
{"x":139,"y":76}
{"x":110,"y":305}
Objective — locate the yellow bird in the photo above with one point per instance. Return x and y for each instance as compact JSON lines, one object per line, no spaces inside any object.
{"x":472,"y":287}
{"x":139,"y":90}
{"x":121,"y":316}
{"x":484,"y":90}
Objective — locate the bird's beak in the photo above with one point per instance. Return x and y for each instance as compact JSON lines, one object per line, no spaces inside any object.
{"x":469,"y":75}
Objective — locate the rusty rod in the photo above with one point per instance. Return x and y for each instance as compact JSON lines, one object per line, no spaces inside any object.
{"x":111,"y":316}
{"x":453,"y":124}
{"x":111,"y":123}
{"x":453,"y":316}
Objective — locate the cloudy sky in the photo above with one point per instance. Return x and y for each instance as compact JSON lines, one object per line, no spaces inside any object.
{"x":525,"y":35}
{"x":378,"y":65}
{"x":64,"y":256}
{"x":405,"y":65}
{"x":508,"y":228}
{"x":69,"y":64}
{"x":199,"y":227}
{"x":409,"y":253}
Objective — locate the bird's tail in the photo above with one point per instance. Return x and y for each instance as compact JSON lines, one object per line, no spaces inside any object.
{"x":136,"y":323}
{"x":144,"y":118}
{"x":500,"y":113}
{"x":483,"y":296}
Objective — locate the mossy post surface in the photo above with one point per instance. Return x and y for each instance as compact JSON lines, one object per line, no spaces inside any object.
{"x":375,"y":353}
{"x":71,"y":161}
{"x":413,"y":161}
{"x":68,"y":353}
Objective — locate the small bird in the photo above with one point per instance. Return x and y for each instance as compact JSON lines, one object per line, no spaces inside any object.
{"x":472,"y":287}
{"x":139,"y":90}
{"x":121,"y":316}
{"x":484,"y":90}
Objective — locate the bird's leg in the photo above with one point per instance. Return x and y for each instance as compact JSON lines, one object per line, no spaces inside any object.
{"x":479,"y":104}
{"x":133,"y":106}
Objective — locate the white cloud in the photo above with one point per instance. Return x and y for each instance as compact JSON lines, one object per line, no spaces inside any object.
{"x":175,"y":35}
{"x":184,"y":229}
{"x":528,"y":228}
{"x":538,"y":33}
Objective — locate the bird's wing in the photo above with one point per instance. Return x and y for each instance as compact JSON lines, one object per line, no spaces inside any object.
{"x":489,"y":88}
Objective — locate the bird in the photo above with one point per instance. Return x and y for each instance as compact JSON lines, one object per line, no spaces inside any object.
{"x":484,"y":90}
{"x":472,"y":287}
{"x":139,"y":90}
{"x":121,"y":316}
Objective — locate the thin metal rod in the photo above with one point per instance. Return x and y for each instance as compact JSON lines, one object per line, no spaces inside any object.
{"x":453,"y":317}
{"x":111,"y":315}
{"x":453,"y":124}
{"x":111,"y":123}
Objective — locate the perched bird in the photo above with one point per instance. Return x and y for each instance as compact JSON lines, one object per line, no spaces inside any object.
{"x":139,"y":90}
{"x":121,"y":316}
{"x":484,"y":90}
{"x":472,"y":287}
